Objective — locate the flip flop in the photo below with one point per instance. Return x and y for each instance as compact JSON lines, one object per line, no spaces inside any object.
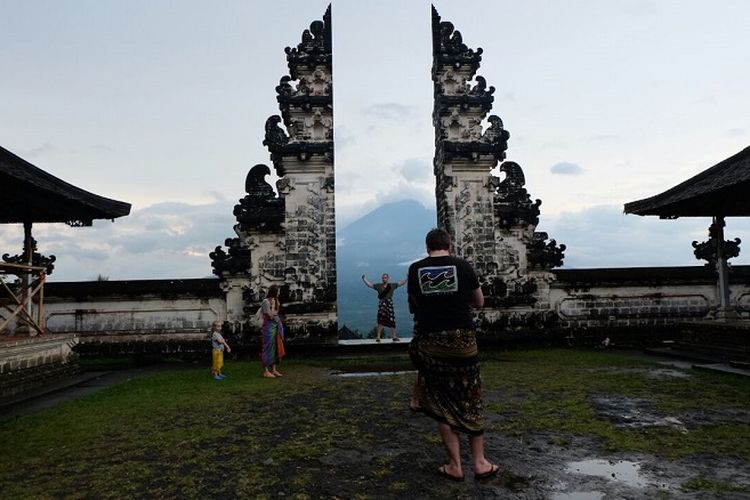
{"x":441,"y":472}
{"x":490,"y":473}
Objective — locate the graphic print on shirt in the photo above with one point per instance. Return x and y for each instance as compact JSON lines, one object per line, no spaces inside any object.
{"x":438,"y":279}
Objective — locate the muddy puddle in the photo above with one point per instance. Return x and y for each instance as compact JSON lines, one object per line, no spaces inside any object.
{"x":371,"y":374}
{"x":633,"y":413}
{"x":624,"y":471}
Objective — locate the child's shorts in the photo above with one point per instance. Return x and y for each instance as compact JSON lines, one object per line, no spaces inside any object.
{"x":218,"y":360}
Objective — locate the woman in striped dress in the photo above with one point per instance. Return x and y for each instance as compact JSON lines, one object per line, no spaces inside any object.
{"x":272,"y":334}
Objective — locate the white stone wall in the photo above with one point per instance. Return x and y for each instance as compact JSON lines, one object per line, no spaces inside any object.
{"x":139,"y":314}
{"x":633,"y":305}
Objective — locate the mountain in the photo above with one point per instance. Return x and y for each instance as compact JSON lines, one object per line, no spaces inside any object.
{"x":385,"y":240}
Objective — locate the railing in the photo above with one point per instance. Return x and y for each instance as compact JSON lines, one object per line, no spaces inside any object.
{"x":18,"y":302}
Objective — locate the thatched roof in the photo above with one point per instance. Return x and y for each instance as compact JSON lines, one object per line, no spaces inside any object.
{"x":29,"y":194}
{"x":722,"y":190}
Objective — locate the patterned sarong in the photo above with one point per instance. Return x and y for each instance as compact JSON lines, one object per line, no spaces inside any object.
{"x":272,"y":342}
{"x":386,"y":316}
{"x":449,"y":382}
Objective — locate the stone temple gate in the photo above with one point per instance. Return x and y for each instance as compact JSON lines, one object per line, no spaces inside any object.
{"x":289,"y":239}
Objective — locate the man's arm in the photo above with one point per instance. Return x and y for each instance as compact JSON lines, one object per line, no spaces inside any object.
{"x":477,"y":298}
{"x":403,"y":282}
{"x":367,"y":282}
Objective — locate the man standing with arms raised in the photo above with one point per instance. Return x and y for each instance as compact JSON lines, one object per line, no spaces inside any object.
{"x":442,"y":290}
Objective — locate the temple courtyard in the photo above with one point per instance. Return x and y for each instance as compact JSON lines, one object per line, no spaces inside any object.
{"x":563,"y":424}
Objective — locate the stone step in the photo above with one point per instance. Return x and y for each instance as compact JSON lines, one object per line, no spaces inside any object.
{"x":47,"y":389}
{"x":722,"y":368}
{"x":722,"y":352}
{"x":672,"y":352}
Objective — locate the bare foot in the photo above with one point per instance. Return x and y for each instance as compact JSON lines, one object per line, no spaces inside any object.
{"x":269,"y":375}
{"x":489,"y":470}
{"x":450,"y":472}
{"x":277,"y":374}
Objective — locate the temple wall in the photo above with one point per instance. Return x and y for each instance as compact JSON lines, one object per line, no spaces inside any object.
{"x":166,"y":316}
{"x":124,"y":317}
{"x":168,"y":312}
{"x":642,"y":304}
{"x":642,"y":297}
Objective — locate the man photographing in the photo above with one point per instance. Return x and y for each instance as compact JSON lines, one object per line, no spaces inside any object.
{"x":442,"y":290}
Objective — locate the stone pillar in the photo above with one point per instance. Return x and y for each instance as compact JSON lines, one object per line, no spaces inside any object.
{"x":290,"y":239}
{"x":491,"y":221}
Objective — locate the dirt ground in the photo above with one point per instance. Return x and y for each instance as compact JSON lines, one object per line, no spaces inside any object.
{"x":318,"y":433}
{"x":398,"y":452}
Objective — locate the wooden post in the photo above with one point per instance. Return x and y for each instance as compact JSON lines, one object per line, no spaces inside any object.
{"x":40,"y":303}
{"x":724,"y":311}
{"x":28,"y":254}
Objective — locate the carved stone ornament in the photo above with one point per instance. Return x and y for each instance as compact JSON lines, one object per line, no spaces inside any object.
{"x":707,"y":250}
{"x":315,"y":47}
{"x":543,"y":254}
{"x":276,"y":137}
{"x":236,"y":261}
{"x":463,"y":137}
{"x":501,"y":293}
{"x":284,"y":88}
{"x":260,"y":210}
{"x":448,"y":46}
{"x":496,"y":135}
{"x":513,"y":204}
{"x":452,"y":92}
{"x":37,"y":259}
{"x":480,"y":89}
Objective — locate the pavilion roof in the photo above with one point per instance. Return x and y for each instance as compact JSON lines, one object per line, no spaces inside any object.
{"x":722,"y":190}
{"x":29,"y":194}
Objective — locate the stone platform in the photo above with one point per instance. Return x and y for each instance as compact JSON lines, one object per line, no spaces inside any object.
{"x":29,"y":362}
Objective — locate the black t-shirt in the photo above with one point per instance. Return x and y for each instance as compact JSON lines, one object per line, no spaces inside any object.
{"x":440,"y":290}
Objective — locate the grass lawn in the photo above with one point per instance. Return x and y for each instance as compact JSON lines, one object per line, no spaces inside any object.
{"x":182,"y":434}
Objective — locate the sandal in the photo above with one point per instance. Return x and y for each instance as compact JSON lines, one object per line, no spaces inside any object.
{"x":494,"y":469}
{"x":442,"y":472}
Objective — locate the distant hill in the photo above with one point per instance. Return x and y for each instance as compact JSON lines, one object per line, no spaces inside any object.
{"x":385,"y":240}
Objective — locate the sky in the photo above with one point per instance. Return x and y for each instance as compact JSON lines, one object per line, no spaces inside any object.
{"x":162,"y":104}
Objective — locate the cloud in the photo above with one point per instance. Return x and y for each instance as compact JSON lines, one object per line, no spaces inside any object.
{"x":216,"y":196}
{"x":390,"y":111}
{"x":414,"y":169}
{"x":166,"y":240}
{"x":566,"y":168}
{"x":735,"y":132}
{"x":40,"y":150}
{"x":605,"y":137}
{"x":343,"y":137}
{"x":640,"y":8}
{"x":602,"y":236}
